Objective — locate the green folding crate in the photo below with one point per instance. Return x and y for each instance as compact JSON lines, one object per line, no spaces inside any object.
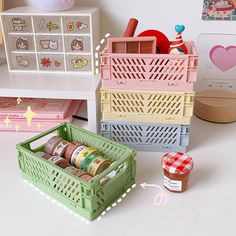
{"x":89,"y":199}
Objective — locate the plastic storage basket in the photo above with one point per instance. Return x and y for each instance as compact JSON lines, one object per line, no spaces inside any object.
{"x":148,"y":137}
{"x":147,"y":106}
{"x":89,"y":199}
{"x":149,"y":71}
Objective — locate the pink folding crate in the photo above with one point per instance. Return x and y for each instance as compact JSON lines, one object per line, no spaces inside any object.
{"x":150,"y":71}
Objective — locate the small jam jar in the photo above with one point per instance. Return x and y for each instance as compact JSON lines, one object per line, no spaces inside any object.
{"x":177,"y":168}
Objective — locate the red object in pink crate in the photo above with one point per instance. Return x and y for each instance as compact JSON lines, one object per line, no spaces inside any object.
{"x":131,"y":27}
{"x":163,"y":42}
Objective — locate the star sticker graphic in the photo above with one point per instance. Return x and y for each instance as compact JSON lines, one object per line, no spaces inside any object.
{"x":18,"y":100}
{"x":7,"y":121}
{"x":17,"y":127}
{"x":79,"y":62}
{"x":29,"y":115}
{"x":39,"y":125}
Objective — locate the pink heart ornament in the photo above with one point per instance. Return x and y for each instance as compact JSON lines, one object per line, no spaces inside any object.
{"x":224,"y":58}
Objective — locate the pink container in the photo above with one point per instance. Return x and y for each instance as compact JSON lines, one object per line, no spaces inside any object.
{"x":150,"y":71}
{"x":132,"y":45}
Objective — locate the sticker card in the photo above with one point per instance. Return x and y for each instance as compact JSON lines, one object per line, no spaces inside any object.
{"x":219,"y":10}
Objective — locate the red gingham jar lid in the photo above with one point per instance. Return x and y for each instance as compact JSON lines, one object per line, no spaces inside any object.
{"x":177,"y":163}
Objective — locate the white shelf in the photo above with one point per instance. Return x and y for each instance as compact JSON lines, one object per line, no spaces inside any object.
{"x":52,"y":85}
{"x":47,"y":85}
{"x":23,"y":52}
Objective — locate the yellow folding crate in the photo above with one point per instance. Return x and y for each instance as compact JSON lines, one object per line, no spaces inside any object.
{"x":165,"y":107}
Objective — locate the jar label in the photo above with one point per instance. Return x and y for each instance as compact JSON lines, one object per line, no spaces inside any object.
{"x":173,"y":185}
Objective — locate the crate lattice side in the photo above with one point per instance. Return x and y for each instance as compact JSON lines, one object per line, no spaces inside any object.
{"x":133,"y":105}
{"x":149,"y":71}
{"x":143,"y":136}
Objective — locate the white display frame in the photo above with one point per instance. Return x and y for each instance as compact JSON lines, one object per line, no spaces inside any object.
{"x":210,"y":77}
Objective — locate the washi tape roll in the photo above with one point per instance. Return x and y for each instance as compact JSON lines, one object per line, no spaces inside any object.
{"x":75,"y":155}
{"x":70,"y":149}
{"x":83,"y":154}
{"x":74,"y":171}
{"x":98,"y":165}
{"x":87,"y":161}
{"x":59,"y":161}
{"x":79,"y":173}
{"x":43,"y":155}
{"x":86,"y":177}
{"x":51,"y":144}
{"x":60,"y":148}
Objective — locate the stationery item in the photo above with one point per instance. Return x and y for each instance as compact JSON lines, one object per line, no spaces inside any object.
{"x":83,"y":153}
{"x":64,"y":164}
{"x":218,"y":10}
{"x":73,"y":151}
{"x":51,"y":144}
{"x":44,"y":108}
{"x":60,"y":148}
{"x":79,"y":173}
{"x":131,"y":27}
{"x":98,"y":165}
{"x":86,"y":158}
{"x":58,"y":161}
{"x":38,"y":125}
{"x":56,"y":146}
{"x":43,"y":155}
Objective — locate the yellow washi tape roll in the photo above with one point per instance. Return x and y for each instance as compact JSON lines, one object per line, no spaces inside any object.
{"x":82,"y":155}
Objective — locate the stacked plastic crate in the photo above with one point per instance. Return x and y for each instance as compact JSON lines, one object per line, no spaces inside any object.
{"x":147,"y":98}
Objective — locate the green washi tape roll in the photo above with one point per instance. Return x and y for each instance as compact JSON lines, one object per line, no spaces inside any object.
{"x":86,"y":163}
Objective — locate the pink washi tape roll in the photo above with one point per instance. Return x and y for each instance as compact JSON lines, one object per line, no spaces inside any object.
{"x":60,"y":148}
{"x":51,"y":143}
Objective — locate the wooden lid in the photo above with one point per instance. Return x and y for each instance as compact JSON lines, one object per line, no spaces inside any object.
{"x":216,"y":106}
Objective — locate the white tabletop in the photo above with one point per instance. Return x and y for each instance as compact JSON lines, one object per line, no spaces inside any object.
{"x":207,"y":208}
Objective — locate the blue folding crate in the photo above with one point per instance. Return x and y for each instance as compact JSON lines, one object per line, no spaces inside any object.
{"x":148,"y":137}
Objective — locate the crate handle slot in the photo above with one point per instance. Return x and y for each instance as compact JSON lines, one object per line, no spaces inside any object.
{"x":113,"y":173}
{"x":118,"y":167}
{"x":40,"y":139}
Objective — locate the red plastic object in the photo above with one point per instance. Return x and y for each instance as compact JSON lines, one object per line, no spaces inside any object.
{"x":163,"y":42}
{"x":131,"y":27}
